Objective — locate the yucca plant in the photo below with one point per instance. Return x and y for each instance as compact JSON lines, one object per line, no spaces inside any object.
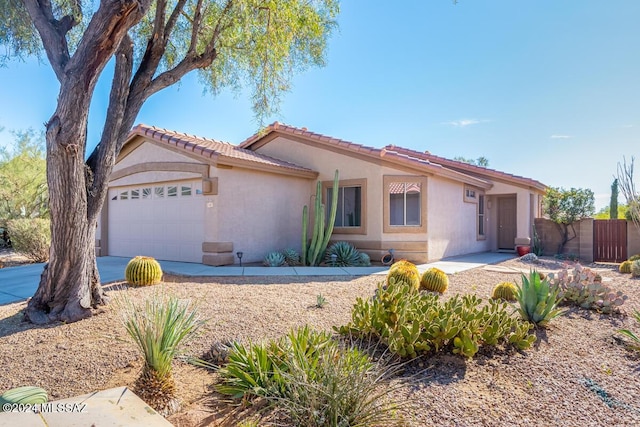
{"x":538,"y":300}
{"x":629,"y":334}
{"x":158,"y":326}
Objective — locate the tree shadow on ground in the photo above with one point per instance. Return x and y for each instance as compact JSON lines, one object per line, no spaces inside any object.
{"x":16,"y":323}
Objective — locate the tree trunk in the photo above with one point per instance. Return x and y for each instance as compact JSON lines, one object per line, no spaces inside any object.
{"x":70,"y":284}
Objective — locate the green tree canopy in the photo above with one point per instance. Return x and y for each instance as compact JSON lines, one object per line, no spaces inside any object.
{"x":480,"y":161}
{"x":564,"y":207}
{"x":23,"y":179}
{"x":254,"y":44}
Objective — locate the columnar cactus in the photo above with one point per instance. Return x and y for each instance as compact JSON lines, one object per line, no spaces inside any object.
{"x":313,"y":253}
{"x":434,"y":280}
{"x":143,"y":271}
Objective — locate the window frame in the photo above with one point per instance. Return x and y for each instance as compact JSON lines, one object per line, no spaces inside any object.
{"x":362,"y":183}
{"x":471,"y":198}
{"x":481,"y":216}
{"x":387,"y":180}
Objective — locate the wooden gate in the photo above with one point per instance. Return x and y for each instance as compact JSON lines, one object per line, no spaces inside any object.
{"x":609,"y":240}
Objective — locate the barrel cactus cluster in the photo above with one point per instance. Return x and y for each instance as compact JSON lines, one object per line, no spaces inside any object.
{"x":143,"y":271}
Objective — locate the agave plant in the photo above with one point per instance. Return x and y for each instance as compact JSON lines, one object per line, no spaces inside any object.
{"x":629,"y":334}
{"x":538,"y":299}
{"x":346,"y":255}
{"x":274,"y":259}
{"x":158,"y":327}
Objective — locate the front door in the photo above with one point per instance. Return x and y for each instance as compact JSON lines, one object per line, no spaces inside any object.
{"x":507,"y":225}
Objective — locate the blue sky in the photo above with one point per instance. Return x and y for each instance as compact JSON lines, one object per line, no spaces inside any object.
{"x":545,"y":89}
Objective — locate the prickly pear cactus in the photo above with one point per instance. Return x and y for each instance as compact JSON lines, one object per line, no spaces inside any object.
{"x":504,"y":291}
{"x":143,"y":271}
{"x":434,"y":280}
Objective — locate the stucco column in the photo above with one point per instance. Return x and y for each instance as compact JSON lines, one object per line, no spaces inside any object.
{"x":586,"y":239}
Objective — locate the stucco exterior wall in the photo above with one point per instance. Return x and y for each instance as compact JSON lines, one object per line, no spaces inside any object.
{"x":258,"y":212}
{"x":526,"y":207}
{"x":154,"y":176}
{"x":149,"y":152}
{"x":452,"y":221}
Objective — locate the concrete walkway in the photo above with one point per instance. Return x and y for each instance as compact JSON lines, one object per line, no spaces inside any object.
{"x":20,"y":283}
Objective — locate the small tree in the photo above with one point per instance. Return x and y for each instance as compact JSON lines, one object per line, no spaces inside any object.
{"x":480,"y":161}
{"x":23,"y":179}
{"x":564,"y":207}
{"x":628,"y":188}
{"x":613,"y":204}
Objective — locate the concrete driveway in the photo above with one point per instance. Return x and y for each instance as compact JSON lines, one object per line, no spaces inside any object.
{"x":20,"y":283}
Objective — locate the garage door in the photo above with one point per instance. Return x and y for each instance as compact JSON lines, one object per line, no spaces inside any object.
{"x":165,"y":221}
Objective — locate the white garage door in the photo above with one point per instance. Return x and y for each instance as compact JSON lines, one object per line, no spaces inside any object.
{"x":165,"y":221}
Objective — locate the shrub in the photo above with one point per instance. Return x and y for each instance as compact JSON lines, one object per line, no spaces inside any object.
{"x":143,"y":271}
{"x":158,"y":327}
{"x":635,"y":268}
{"x":505,"y":291}
{"x":404,"y":271}
{"x":410,"y":323}
{"x":625,"y":267}
{"x":312,"y":380}
{"x":434,"y":280}
{"x":31,"y":237}
{"x":346,"y":255}
{"x":274,"y":259}
{"x":538,"y":300}
{"x":583,"y":287}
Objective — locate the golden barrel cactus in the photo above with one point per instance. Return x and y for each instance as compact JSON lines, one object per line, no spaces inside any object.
{"x":405,"y":271}
{"x":505,"y":291}
{"x":143,"y":271}
{"x":434,"y":280}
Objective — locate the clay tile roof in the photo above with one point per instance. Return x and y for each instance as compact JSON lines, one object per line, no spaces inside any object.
{"x":466,"y":167}
{"x":218,"y":151}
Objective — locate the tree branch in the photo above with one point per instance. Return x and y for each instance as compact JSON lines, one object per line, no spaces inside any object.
{"x":52,"y":32}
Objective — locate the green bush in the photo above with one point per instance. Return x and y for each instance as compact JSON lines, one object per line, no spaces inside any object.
{"x":538,"y":299}
{"x":31,"y":237}
{"x":411,"y":323}
{"x":312,"y":380}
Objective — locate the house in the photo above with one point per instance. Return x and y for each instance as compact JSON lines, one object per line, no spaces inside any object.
{"x":180,"y":197}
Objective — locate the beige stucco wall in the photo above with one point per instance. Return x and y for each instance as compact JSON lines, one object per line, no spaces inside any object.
{"x":452,"y":221}
{"x":258,"y":212}
{"x":149,"y":152}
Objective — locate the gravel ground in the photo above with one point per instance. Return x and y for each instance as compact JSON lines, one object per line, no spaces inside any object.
{"x":578,"y":374}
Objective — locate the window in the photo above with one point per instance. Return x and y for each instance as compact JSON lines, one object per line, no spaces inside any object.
{"x":146,"y":193}
{"x":115,"y":197}
{"x":135,"y":194}
{"x":404,"y":203}
{"x":481,"y":207}
{"x":470,"y":194}
{"x":159,"y":192}
{"x":172,"y":191}
{"x":350,"y":213}
{"x":185,"y":190}
{"x":124,"y":195}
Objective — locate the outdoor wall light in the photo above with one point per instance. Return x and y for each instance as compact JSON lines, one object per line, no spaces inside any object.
{"x":239,"y":255}
{"x":334,"y":258}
